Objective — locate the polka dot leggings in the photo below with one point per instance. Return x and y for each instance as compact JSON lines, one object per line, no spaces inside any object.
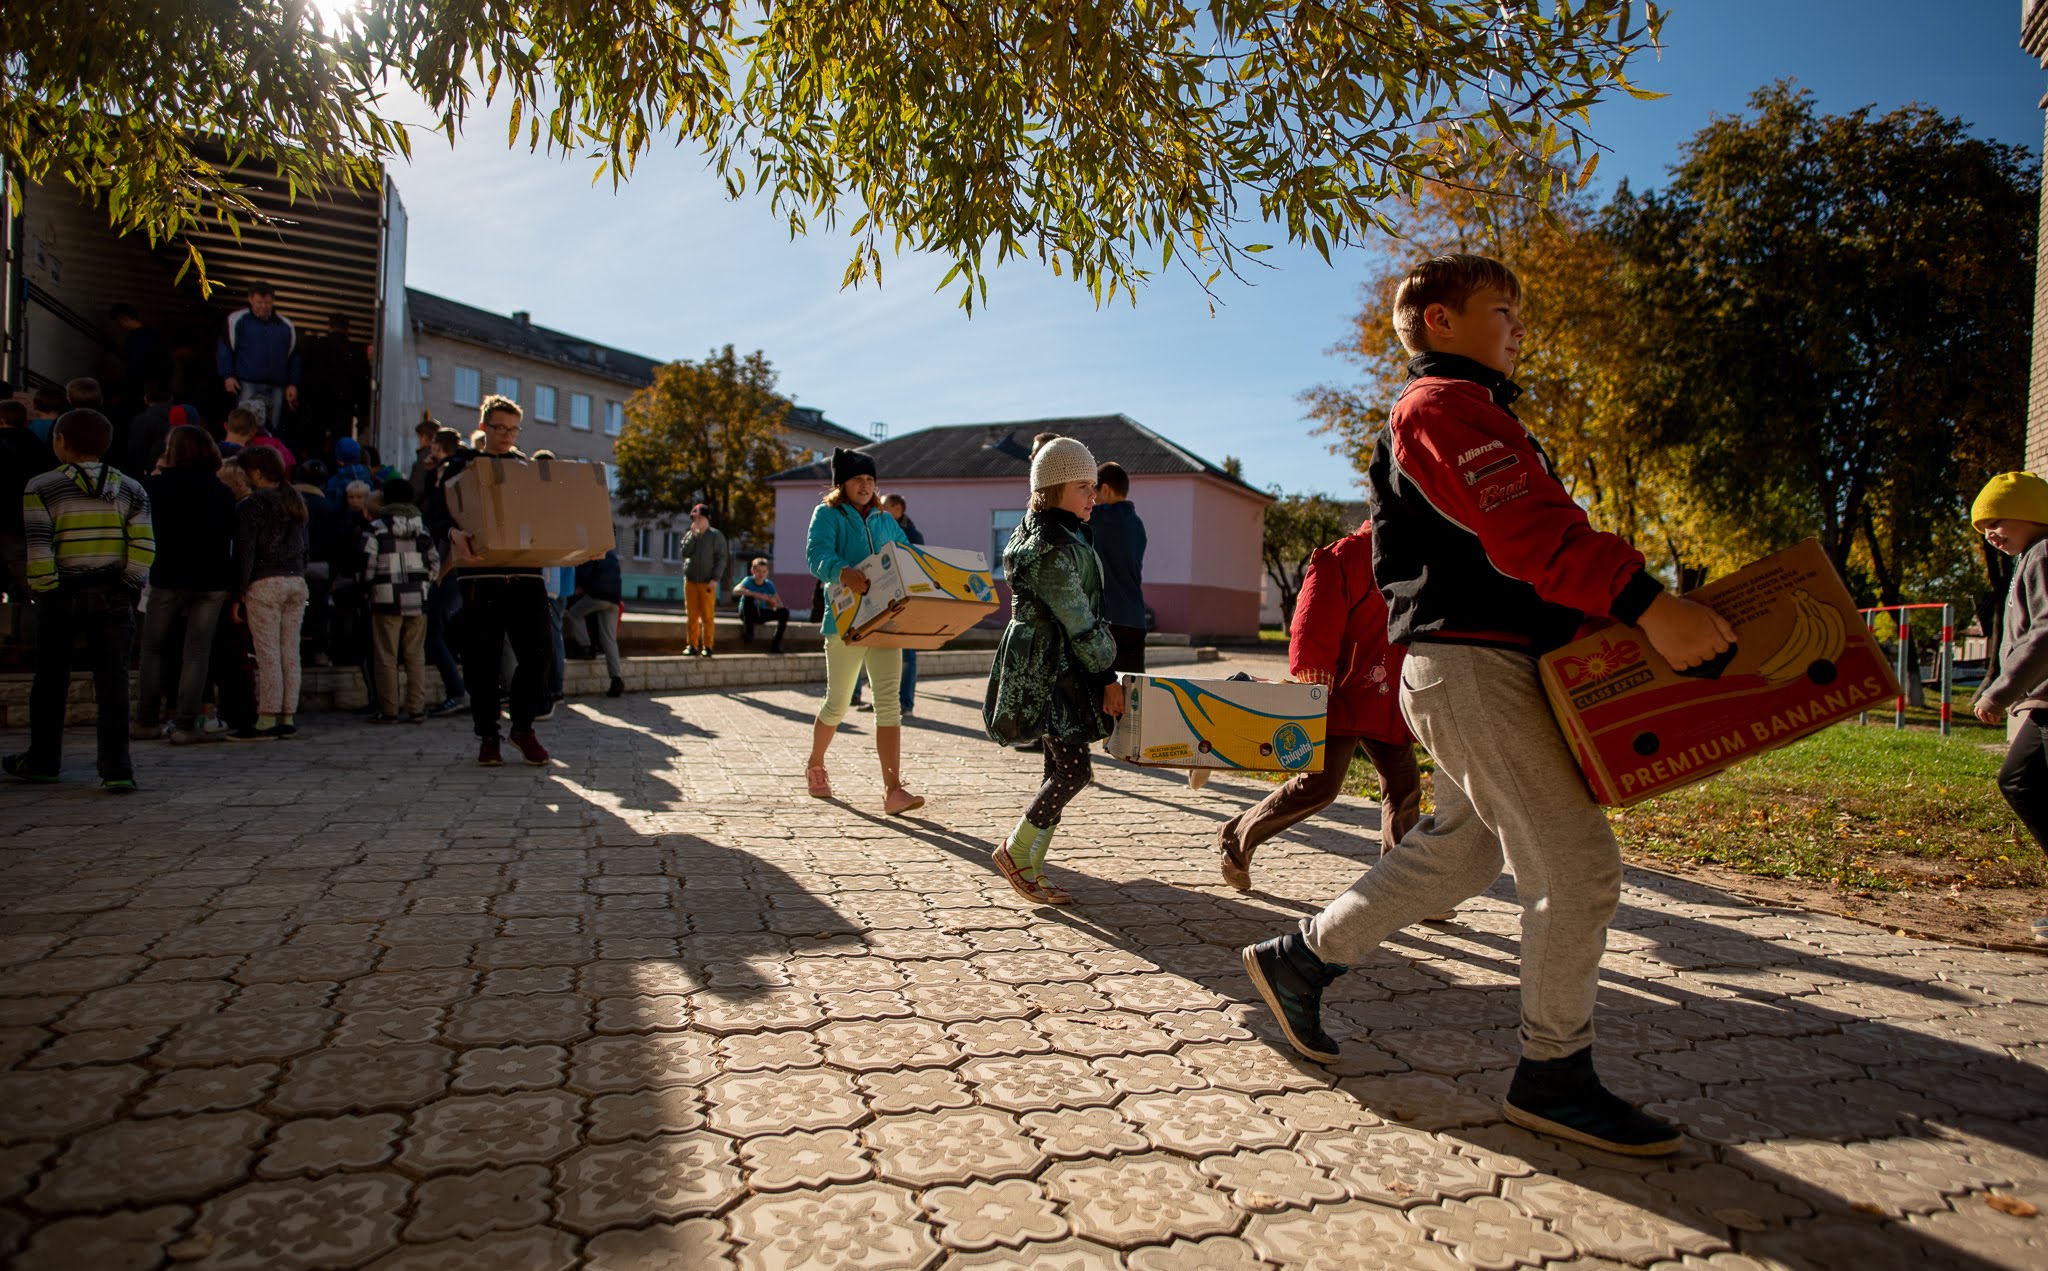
{"x":1067,"y":769}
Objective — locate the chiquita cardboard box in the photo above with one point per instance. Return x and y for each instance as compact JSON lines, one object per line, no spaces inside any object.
{"x":918,"y":597}
{"x":532,"y":512}
{"x":1803,"y":660}
{"x":1176,"y":723}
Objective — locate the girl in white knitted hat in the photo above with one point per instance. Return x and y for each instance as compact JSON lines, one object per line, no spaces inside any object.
{"x":1051,"y":682}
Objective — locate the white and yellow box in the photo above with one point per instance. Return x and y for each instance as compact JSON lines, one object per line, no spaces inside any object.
{"x":1246,"y":724}
{"x":918,"y":597}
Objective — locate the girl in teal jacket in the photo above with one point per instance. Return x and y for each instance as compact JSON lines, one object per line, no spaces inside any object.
{"x":846,"y":528}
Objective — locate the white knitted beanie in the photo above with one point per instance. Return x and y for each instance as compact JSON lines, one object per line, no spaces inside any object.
{"x":1059,"y":461}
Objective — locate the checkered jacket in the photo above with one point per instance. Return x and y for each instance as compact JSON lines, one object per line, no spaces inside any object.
{"x":399,"y":561}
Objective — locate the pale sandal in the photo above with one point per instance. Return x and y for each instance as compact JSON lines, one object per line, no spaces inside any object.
{"x":819,"y":781}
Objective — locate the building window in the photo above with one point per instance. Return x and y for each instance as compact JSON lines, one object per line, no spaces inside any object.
{"x":1000,"y":524}
{"x":469,"y":386}
{"x":643,"y":544}
{"x":671,"y":547}
{"x":544,"y":403}
{"x":614,"y":419}
{"x":507,"y":387}
{"x":579,"y":411}
{"x":426,"y":368}
{"x":611,"y":479}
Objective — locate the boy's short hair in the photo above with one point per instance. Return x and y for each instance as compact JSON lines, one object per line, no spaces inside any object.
{"x":50,"y":399}
{"x":84,"y":393}
{"x":449,"y":440}
{"x":1449,"y":280}
{"x":495,"y":403}
{"x":357,"y":486}
{"x":757,"y":562}
{"x":427,"y":428}
{"x":397,"y":490}
{"x":86,"y":432}
{"x":12,"y":413}
{"x":241,"y":422}
{"x":1112,"y":474}
{"x":261,"y":288}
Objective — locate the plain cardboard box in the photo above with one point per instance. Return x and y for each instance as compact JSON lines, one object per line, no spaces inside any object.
{"x":1170,"y":722}
{"x":1803,"y":660}
{"x":917,"y":597}
{"x":532,"y":512}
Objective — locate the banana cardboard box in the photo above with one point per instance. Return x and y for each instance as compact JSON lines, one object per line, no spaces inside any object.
{"x":533,"y":512}
{"x":1803,"y":660}
{"x":918,"y":597}
{"x":1176,"y":723}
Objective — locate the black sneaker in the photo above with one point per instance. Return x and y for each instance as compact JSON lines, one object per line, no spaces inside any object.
{"x":448,"y":706}
{"x":1564,"y":1098}
{"x":1292,"y":979}
{"x":249,"y":732}
{"x":618,"y":688}
{"x":16,"y":766}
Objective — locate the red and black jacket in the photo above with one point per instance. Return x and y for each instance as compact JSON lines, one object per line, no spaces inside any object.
{"x":1475,"y":541}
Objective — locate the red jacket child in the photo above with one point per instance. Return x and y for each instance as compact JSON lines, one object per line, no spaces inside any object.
{"x":1340,"y":639}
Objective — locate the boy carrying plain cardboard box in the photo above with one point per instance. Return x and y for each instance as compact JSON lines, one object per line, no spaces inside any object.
{"x":2011,"y":512}
{"x":1486,"y":563}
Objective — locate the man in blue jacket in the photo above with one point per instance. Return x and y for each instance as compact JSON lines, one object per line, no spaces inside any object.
{"x":258,"y":357}
{"x":1120,"y":543}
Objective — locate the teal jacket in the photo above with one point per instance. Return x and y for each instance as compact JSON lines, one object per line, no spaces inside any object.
{"x":841,"y":537}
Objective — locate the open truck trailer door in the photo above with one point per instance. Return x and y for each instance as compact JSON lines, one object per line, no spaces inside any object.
{"x":339,"y":252}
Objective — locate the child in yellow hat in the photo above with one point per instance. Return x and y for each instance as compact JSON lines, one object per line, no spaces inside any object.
{"x":2011,"y":512}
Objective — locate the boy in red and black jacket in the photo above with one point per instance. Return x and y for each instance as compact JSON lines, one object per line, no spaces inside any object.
{"x":1339,"y":641}
{"x":1486,"y":563}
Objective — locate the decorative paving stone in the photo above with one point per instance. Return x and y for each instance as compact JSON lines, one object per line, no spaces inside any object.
{"x":1422,"y":1100}
{"x":485,"y":1201}
{"x":1217,"y":1253}
{"x":88,"y":1046}
{"x":999,"y":1037}
{"x":953,"y":1146}
{"x":244,"y":1036}
{"x":1205,"y":1121}
{"x":166,"y":1158}
{"x":1149,"y":1074}
{"x":1036,"y":1081}
{"x":1346,"y":1237}
{"x":534,"y":1250}
{"x":1613,"y":1219}
{"x":1272,"y":1178}
{"x":1252,"y":1069}
{"x":983,"y":1215}
{"x":1201,"y":1026}
{"x":641,"y":1114}
{"x":1319,"y":1110}
{"x":345,"y":1080}
{"x":642,"y":1013}
{"x":276,"y":1226}
{"x":1143,"y":1199}
{"x":390,"y":1026}
{"x":1084,"y":1132}
{"x":509,"y":1068}
{"x":641,"y":1062}
{"x":776,"y":1102}
{"x":1059,"y":1255}
{"x":917,"y":1090}
{"x":1097,"y":1033}
{"x":863,"y":1046}
{"x":694,"y":1244}
{"x":466,"y":1131}
{"x":488,"y":1021}
{"x":757,"y":1052}
{"x":120,"y":1241}
{"x":188,"y":1090}
{"x":669,"y":1176}
{"x":1491,"y":1234}
{"x":866,"y":1227}
{"x":779,"y":1008}
{"x":807,"y":1158}
{"x":1397,"y":1166}
{"x":56,"y":1103}
{"x":321,"y":1145}
{"x":957,"y":1002}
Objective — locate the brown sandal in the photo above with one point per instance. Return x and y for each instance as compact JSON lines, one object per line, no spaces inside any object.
{"x":1237,"y":870}
{"x":1036,"y":893}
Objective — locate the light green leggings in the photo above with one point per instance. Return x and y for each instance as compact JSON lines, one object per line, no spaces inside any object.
{"x":843,"y":662}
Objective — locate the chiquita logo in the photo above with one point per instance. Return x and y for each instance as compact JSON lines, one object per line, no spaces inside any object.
{"x":1292,"y":747}
{"x":1610,"y":659}
{"x":979,"y":586}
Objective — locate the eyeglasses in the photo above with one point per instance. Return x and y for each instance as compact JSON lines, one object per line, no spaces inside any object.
{"x":501,"y":427}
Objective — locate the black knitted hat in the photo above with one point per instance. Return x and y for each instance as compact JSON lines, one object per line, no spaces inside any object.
{"x":848,"y":464}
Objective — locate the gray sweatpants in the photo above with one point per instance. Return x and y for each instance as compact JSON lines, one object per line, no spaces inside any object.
{"x":1506,"y":785}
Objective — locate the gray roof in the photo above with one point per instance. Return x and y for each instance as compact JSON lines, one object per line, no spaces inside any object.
{"x":1003,"y":450}
{"x":812,"y":419}
{"x":523,"y":338}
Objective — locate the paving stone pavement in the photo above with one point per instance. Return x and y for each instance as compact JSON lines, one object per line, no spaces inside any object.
{"x":351,"y":1001}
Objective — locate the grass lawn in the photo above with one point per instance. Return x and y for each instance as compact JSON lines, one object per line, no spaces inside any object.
{"x":1867,"y":808}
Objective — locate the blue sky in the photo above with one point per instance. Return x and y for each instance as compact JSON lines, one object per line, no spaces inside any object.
{"x":667,"y":266}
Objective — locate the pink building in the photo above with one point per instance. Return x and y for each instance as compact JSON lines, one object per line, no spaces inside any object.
{"x":967,"y":485}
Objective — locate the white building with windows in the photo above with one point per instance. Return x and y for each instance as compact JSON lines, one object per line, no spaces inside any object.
{"x":574,"y":393}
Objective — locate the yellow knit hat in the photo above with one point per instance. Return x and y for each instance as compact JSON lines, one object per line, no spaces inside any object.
{"x":2011,"y":496}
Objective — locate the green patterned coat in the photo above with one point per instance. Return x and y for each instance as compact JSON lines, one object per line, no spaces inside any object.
{"x":1054,"y":659}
